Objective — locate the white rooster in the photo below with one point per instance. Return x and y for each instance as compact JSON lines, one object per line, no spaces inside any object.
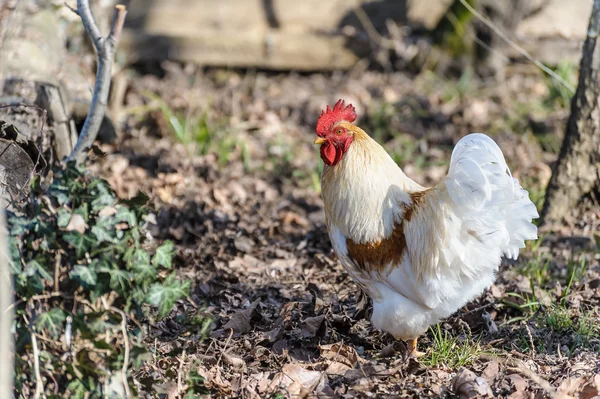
{"x":420,"y":253}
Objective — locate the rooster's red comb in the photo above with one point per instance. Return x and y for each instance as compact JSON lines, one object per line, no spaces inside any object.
{"x":330,"y":116}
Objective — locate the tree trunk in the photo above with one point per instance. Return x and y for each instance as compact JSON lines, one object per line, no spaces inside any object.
{"x":577,"y":171}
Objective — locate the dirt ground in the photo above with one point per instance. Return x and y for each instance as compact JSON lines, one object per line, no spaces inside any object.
{"x":238,"y":192}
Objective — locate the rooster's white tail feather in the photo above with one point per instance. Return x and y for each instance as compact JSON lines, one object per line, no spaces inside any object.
{"x":493,"y":206}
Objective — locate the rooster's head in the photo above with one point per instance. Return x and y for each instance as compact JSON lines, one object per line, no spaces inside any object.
{"x":335,"y":131}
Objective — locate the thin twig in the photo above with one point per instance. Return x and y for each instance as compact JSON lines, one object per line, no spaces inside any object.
{"x":105,"y":49}
{"x":519,"y":367}
{"x":39,"y":385}
{"x":57,"y":272}
{"x":225,"y":347}
{"x":71,"y":8}
{"x":530,"y":341}
{"x":126,"y":355}
{"x":179,"y":374}
{"x":521,"y":50}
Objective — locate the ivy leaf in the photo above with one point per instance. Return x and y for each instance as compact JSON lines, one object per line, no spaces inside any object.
{"x":77,"y":389}
{"x":103,"y":234}
{"x":60,"y":194}
{"x":104,"y":196}
{"x":163,"y":295}
{"x":19,"y":225}
{"x":52,"y":321}
{"x":140,"y":256}
{"x":15,"y":254}
{"x":80,"y":242}
{"x":34,"y":267}
{"x":119,"y":280}
{"x":126,"y":215}
{"x":84,"y":211}
{"x":164,"y":255}
{"x":63,"y":218}
{"x":84,"y":275}
{"x":144,"y":273}
{"x":142,"y":269}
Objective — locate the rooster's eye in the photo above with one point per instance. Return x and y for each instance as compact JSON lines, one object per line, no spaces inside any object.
{"x":339,"y":131}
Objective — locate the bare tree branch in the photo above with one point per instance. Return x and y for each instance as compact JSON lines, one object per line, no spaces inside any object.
{"x":85,"y":12}
{"x":105,"y":49}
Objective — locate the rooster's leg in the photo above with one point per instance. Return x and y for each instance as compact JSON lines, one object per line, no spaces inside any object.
{"x":412,"y":348}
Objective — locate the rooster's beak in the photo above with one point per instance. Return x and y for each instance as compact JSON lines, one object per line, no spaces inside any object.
{"x":319,"y":140}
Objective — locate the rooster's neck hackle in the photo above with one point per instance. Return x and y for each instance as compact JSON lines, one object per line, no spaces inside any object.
{"x":364,"y":193}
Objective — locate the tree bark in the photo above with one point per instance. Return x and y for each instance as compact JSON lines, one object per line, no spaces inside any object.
{"x":577,"y":171}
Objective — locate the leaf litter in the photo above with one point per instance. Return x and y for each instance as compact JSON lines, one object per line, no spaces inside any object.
{"x":281,"y":315}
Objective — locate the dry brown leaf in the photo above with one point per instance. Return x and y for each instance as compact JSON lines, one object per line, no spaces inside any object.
{"x":491,"y":371}
{"x":392,"y":349}
{"x":240,"y":321}
{"x":365,"y":372}
{"x":273,"y":335}
{"x":520,"y":385}
{"x":591,"y":390}
{"x":76,"y":223}
{"x":468,"y":385}
{"x":339,"y":352}
{"x":215,"y":378}
{"x":107,"y":211}
{"x":580,"y":387}
{"x":234,"y":361}
{"x":295,"y":379}
{"x":243,"y":244}
{"x":313,"y":326}
{"x":336,"y":368}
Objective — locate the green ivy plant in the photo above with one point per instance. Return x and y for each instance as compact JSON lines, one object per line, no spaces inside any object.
{"x":85,"y":276}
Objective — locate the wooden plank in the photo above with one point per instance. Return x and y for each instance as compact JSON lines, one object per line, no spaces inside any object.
{"x":275,"y":34}
{"x":306,"y":35}
{"x":267,"y":49}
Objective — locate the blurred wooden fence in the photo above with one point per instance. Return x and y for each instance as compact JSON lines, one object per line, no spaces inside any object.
{"x":315,"y":34}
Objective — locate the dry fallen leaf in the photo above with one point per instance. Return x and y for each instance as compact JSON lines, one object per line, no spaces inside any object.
{"x":76,"y":223}
{"x":520,"y":385}
{"x":591,"y":390}
{"x":580,"y":387}
{"x":313,"y":326}
{"x":107,"y":211}
{"x":336,"y":368}
{"x":468,"y":385}
{"x":240,"y":321}
{"x":234,"y":361}
{"x":491,"y":371}
{"x":215,"y":378}
{"x":392,"y":349}
{"x":365,"y":372}
{"x":339,"y":352}
{"x":243,"y":244}
{"x":296,"y":379}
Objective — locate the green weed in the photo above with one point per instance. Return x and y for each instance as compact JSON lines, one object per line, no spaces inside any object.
{"x":558,"y":318}
{"x":449,"y":351}
{"x":196,"y":130}
{"x":557,"y":93}
{"x":538,"y":270}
